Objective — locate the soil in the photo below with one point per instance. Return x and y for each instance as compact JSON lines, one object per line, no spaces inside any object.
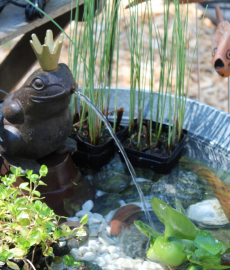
{"x":159,"y":148}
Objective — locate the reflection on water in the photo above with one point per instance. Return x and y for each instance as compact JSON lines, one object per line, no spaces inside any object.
{"x":188,"y":182}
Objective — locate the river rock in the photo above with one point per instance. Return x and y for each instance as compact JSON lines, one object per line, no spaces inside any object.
{"x":207,"y":213}
{"x":131,"y":194}
{"x":111,"y":181}
{"x":106,"y":203}
{"x":133,"y":243}
{"x":183,"y":186}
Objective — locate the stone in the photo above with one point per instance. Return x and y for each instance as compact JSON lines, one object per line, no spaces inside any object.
{"x":82,"y":213}
{"x":92,"y":266}
{"x":88,"y":256}
{"x":106,"y":203}
{"x":133,"y":243}
{"x":88,"y":205}
{"x":181,"y":185}
{"x":111,"y":181}
{"x":124,"y":217}
{"x":76,"y":253}
{"x":207,"y":213}
{"x":131,"y":194}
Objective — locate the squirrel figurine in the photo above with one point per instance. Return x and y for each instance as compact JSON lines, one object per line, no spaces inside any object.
{"x":36,"y":119}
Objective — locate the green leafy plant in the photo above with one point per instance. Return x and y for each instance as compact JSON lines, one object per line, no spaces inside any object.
{"x":181,"y":242}
{"x":26,"y":223}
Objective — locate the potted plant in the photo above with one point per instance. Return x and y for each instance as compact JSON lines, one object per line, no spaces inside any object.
{"x":95,"y":145}
{"x":29,"y":229}
{"x":149,"y":143}
{"x":181,"y":243}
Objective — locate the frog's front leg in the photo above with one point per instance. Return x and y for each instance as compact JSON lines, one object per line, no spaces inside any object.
{"x":12,"y":111}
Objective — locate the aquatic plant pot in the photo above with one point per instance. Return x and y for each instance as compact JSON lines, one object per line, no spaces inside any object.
{"x":158,"y":162}
{"x":66,"y":189}
{"x":95,"y":156}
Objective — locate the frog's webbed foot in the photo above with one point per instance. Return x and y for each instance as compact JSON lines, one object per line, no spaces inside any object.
{"x":30,"y":164}
{"x":69,"y":146}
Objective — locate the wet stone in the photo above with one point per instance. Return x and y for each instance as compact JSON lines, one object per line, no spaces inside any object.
{"x":131,"y":194}
{"x":106,"y":203}
{"x":183,"y":186}
{"x":133,"y":243}
{"x":111,"y":181}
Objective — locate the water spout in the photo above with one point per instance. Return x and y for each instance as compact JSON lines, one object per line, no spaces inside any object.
{"x":129,"y":165}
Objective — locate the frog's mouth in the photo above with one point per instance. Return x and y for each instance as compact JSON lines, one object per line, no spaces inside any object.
{"x":48,"y":98}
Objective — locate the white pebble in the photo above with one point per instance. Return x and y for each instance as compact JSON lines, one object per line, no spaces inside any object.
{"x":73,"y":219}
{"x":98,"y":217}
{"x":110,"y":215}
{"x":122,"y":203}
{"x":103,"y":249}
{"x":103,"y":241}
{"x":100,"y":261}
{"x":100,"y":193}
{"x":88,"y":256}
{"x":108,"y":259}
{"x":108,"y":229}
{"x":82,"y":213}
{"x":93,"y":232}
{"x":139,"y":266}
{"x":115,"y":255}
{"x":146,"y":265}
{"x":62,"y":243}
{"x":84,"y":249}
{"x":106,"y":238}
{"x":94,"y":226}
{"x":128,"y":263}
{"x":93,"y":244}
{"x":119,"y":261}
{"x":88,"y":205}
{"x":76,"y":253}
{"x":113,"y":249}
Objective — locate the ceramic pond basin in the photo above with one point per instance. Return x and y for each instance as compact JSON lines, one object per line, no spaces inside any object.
{"x":114,"y":241}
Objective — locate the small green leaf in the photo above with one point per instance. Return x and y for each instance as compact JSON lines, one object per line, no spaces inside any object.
{"x":176,"y":224}
{"x":41,"y":183}
{"x":13,"y":170}
{"x":84,"y":219}
{"x":5,"y":254}
{"x":36,"y":192}
{"x":43,"y":170}
{"x":13,"y":265}
{"x":81,"y":232}
{"x":23,"y":185}
{"x":18,"y":252}
{"x":50,"y":226}
{"x":34,"y":238}
{"x":23,"y":243}
{"x":38,"y":205}
{"x":57,"y":234}
{"x":29,"y":172}
{"x":34,"y":177}
{"x":19,"y":171}
{"x":48,"y":252}
{"x":146,"y":230}
{"x":24,"y":221}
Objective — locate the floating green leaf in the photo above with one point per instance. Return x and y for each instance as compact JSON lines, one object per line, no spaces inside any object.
{"x":206,"y":242}
{"x":147,"y":230}
{"x":176,"y":224}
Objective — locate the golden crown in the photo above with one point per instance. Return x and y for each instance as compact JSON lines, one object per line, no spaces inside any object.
{"x":49,"y":53}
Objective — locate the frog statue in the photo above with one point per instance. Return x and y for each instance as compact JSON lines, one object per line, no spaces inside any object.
{"x":36,"y":119}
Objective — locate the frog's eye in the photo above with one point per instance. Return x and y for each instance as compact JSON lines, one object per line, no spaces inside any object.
{"x":38,"y":84}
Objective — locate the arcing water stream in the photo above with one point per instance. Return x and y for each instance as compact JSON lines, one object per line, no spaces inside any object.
{"x":130,"y":167}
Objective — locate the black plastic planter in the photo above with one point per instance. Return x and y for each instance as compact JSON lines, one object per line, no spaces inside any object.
{"x":161,"y":165}
{"x":94,"y":156}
